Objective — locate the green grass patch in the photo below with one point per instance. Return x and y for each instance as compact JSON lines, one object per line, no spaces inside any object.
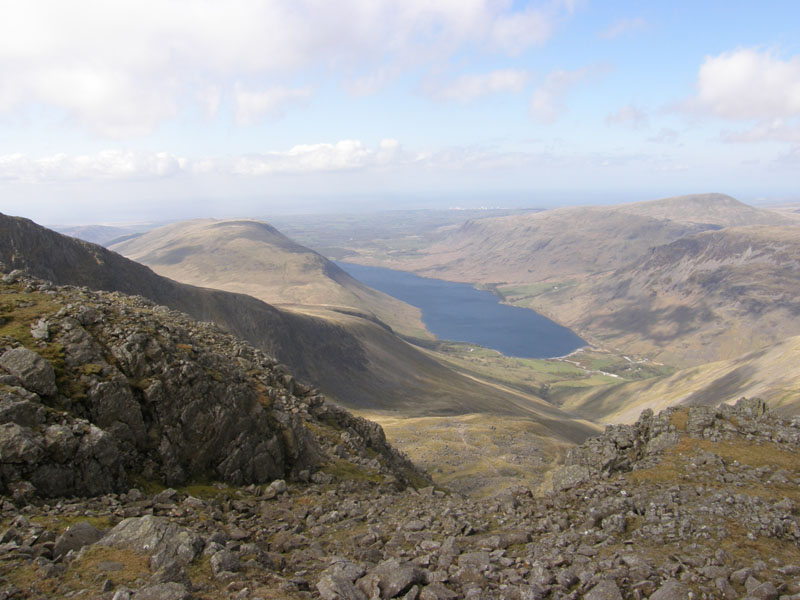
{"x":345,"y":470}
{"x":60,"y":524}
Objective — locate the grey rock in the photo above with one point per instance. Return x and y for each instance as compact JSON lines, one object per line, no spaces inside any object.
{"x":395,"y":578}
{"x":476,"y":560}
{"x":19,"y":445}
{"x":332,"y":585}
{"x":671,"y":590}
{"x":437,"y":591}
{"x":414,"y":525}
{"x":18,"y":405}
{"x":534,"y":592}
{"x":570,"y":476}
{"x":725,"y":589}
{"x":13,"y":276}
{"x":34,"y":372}
{"x":275,"y":488}
{"x":765,"y":591}
{"x":740,"y":576}
{"x":157,"y":536}
{"x":605,"y":590}
{"x":567,"y":578}
{"x":41,"y":330}
{"x":76,"y":537}
{"x":663,"y":441}
{"x":342,"y":567}
{"x":224,"y":561}
{"x":163,"y":591}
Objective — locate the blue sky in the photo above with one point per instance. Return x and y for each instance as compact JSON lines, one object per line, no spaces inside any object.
{"x":152,"y":110}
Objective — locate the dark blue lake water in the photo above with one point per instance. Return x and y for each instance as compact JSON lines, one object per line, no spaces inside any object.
{"x":459,"y":312}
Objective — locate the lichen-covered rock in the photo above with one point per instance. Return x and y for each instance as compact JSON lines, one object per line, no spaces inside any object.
{"x":570,"y":476}
{"x":157,"y":537}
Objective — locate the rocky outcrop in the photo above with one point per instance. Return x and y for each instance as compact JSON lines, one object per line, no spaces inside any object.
{"x":32,"y":371}
{"x":713,"y":515}
{"x":641,"y":444}
{"x":123,"y":387}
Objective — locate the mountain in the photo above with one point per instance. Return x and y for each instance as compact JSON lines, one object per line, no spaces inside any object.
{"x":570,"y":243}
{"x":712,"y":210}
{"x":253,"y":258}
{"x":705,"y":297}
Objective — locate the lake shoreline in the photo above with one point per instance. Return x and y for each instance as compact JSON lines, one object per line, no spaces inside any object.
{"x":460,"y":312}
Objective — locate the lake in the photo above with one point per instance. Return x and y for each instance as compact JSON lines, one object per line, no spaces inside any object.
{"x":458,"y":312}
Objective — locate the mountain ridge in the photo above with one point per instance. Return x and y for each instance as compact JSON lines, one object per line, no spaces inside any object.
{"x":252,"y":257}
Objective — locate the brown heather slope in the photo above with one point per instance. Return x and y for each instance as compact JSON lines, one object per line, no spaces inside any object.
{"x":356,"y":361}
{"x":707,"y":297}
{"x":252,"y":257}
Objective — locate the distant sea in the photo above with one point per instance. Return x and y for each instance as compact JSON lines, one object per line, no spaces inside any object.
{"x":458,"y":312}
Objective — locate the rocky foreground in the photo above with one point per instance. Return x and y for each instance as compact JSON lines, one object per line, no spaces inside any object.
{"x":301,"y":500}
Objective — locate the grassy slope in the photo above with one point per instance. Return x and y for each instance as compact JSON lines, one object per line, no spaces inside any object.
{"x":253,"y":258}
{"x":771,"y":374}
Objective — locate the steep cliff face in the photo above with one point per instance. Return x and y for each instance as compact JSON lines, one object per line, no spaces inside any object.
{"x":98,"y":387}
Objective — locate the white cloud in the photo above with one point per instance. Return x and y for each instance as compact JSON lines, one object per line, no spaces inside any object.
{"x":121,"y":68}
{"x":209,"y":99}
{"x":781,"y":130}
{"x":749,"y":84}
{"x":665,"y":136}
{"x":629,"y":116}
{"x":252,"y":104}
{"x":547,"y":101}
{"x":515,"y":32}
{"x":104,"y":165}
{"x":470,"y":87}
{"x":623,"y":27}
{"x":116,"y":165}
{"x":306,"y":158}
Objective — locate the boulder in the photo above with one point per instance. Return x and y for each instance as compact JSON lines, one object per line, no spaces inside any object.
{"x":605,"y":590}
{"x":671,"y":590}
{"x":156,"y":536}
{"x":393,"y":578}
{"x":34,"y":372}
{"x":163,"y":591}
{"x":18,"y":405}
{"x":19,"y":445}
{"x":570,"y":476}
{"x":76,"y":537}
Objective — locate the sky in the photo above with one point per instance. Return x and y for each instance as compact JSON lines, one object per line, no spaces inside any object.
{"x":117,"y":111}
